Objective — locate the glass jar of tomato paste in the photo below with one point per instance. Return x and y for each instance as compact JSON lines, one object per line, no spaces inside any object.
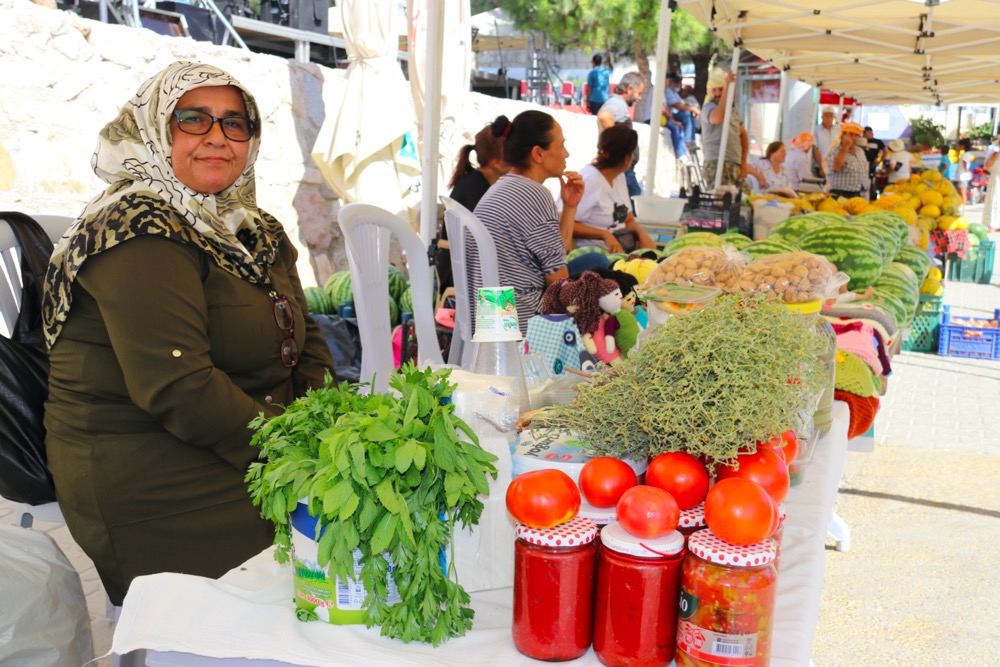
{"x":635,"y":613}
{"x":691,"y":520}
{"x":554,"y":571}
{"x":726,"y":603}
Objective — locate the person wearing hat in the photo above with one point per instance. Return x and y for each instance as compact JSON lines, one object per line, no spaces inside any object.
{"x":713,"y":113}
{"x":825,"y":136}
{"x":798,"y":158}
{"x":681,"y":110}
{"x":849,"y":164}
{"x":900,"y":161}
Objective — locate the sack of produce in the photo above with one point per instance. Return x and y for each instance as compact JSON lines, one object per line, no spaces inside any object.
{"x":796,"y":277}
{"x":700,"y":265}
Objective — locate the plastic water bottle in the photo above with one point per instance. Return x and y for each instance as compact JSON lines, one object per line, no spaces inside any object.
{"x":499,"y":354}
{"x":503,"y":360}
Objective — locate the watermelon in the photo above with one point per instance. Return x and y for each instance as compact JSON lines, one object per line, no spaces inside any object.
{"x":887,"y":219}
{"x":852,"y":248}
{"x":736,"y":239}
{"x":887,"y":236}
{"x":791,"y":229}
{"x":394,"y":314}
{"x":892,"y":304}
{"x":690,"y":240}
{"x":769,"y":246}
{"x":406,"y":300}
{"x":397,"y":282}
{"x":583,"y":250}
{"x":338,"y":288}
{"x":901,"y":281}
{"x":317,"y":301}
{"x":916,"y":259}
{"x":978,"y":231}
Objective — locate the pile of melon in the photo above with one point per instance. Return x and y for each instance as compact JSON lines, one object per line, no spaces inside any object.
{"x":338,"y":292}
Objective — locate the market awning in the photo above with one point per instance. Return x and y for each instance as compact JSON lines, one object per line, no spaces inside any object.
{"x":877,"y":51}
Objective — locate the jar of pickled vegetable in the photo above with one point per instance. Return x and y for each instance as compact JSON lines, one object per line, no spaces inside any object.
{"x":635,"y":613}
{"x":726,"y":603}
{"x":691,"y":520}
{"x":554,"y":570}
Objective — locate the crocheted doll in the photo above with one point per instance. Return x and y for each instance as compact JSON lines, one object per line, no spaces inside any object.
{"x":592,"y":301}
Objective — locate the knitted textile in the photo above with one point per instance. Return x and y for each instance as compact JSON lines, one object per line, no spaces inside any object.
{"x":863,"y":412}
{"x":859,"y":339}
{"x":854,"y":375}
{"x":873,"y":316}
{"x":883,"y":353}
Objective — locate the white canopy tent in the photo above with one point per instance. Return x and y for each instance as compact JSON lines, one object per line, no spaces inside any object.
{"x":877,"y":51}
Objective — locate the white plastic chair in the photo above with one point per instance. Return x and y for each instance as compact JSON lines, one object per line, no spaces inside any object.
{"x":458,"y":220}
{"x":367,"y":233}
{"x":10,"y":306}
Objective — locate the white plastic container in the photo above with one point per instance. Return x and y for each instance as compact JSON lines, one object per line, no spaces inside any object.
{"x":658,"y":209}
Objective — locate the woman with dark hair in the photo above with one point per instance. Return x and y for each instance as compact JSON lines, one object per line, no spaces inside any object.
{"x":468,"y":185}
{"x":531,"y":236}
{"x":605,"y":212}
{"x":769,"y":171}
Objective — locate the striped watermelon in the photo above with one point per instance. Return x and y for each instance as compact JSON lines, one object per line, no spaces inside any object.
{"x":338,"y":288}
{"x":888,"y":219}
{"x":892,"y":304}
{"x":916,"y":259}
{"x":791,"y":229}
{"x":736,"y":239}
{"x":583,"y":250}
{"x":887,"y":237}
{"x":769,"y":246}
{"x":397,"y":282}
{"x":406,"y":301}
{"x":692,"y":239}
{"x":394,"y":314}
{"x":900,"y":280}
{"x":852,"y":249}
{"x":317,"y":301}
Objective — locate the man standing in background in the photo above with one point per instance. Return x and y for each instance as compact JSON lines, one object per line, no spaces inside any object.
{"x":598,"y":82}
{"x":616,"y":112}
{"x":825,"y":135}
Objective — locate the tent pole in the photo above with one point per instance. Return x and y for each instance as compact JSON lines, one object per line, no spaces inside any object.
{"x":730,"y":99}
{"x":782,"y":92}
{"x":432,"y":120}
{"x":660,"y":76}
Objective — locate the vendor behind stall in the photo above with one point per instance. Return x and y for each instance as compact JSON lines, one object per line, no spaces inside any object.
{"x":849,"y":164}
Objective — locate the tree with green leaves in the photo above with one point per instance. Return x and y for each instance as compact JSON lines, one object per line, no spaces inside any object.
{"x":619,"y":27}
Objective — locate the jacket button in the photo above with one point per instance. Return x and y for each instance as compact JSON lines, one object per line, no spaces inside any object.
{"x":267,"y":399}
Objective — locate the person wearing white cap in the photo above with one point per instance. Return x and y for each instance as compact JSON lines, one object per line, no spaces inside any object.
{"x":713,"y":113}
{"x":900,"y":161}
{"x":826,"y":134}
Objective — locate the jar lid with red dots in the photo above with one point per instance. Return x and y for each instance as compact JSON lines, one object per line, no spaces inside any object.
{"x":782,"y":513}
{"x":706,"y":545}
{"x":616,"y":538}
{"x":570,"y":534}
{"x":693,"y":517}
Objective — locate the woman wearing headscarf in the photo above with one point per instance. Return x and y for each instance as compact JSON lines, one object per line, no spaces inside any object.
{"x":797,"y":161}
{"x":174,"y":315}
{"x":849,"y":163}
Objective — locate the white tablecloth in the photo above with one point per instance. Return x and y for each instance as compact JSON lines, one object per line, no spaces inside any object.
{"x":188,"y":621}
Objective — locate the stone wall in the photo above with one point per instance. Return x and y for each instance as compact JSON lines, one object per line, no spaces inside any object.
{"x":65,"y":77}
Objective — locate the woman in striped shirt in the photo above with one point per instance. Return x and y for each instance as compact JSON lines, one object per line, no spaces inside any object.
{"x":531,"y":236}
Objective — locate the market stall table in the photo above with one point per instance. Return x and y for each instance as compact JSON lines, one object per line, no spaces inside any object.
{"x":187,"y":621}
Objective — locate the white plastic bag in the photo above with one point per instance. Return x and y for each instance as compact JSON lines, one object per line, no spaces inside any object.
{"x":43,"y":611}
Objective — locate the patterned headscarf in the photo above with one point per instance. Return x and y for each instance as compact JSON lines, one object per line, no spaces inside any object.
{"x":144,"y":196}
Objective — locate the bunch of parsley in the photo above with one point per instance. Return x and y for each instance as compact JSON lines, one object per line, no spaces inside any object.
{"x":383,"y":473}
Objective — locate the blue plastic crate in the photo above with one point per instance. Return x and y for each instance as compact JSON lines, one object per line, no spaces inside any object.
{"x":958,"y":339}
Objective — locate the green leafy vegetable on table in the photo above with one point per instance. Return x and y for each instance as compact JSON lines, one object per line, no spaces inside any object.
{"x":382,"y":473}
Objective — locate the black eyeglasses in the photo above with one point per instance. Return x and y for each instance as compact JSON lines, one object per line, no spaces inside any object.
{"x":192,"y":121}
{"x":288,"y":349}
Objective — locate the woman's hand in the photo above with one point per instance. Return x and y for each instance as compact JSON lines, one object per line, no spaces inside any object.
{"x":571,"y":189}
{"x":613,"y":244}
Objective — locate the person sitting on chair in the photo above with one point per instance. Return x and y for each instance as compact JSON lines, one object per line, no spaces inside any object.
{"x":174,"y":315}
{"x":604,"y":215}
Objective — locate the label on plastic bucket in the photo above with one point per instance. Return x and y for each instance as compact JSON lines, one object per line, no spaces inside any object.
{"x":340,"y":602}
{"x":496,"y":315}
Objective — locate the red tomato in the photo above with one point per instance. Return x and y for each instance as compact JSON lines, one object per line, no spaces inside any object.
{"x":775,"y":444}
{"x":543,"y":498}
{"x":765,"y":467}
{"x":603,"y":480}
{"x":648,"y":512}
{"x":791,"y":446}
{"x":739,"y":511}
{"x":681,"y":475}
{"x":777,"y":518}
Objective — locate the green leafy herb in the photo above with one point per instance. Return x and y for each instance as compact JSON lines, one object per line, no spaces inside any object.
{"x":709,"y":381}
{"x":382,"y":473}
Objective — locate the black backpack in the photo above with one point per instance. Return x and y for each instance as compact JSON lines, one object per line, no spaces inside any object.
{"x":24,"y":372}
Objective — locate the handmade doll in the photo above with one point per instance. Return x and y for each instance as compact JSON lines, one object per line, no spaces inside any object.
{"x":592,"y":301}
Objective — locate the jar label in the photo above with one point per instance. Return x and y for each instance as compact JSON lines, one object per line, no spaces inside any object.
{"x":688,"y":605}
{"x":717,"y":648}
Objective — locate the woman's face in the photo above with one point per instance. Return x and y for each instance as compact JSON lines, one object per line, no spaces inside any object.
{"x":209,"y":163}
{"x":553,"y":158}
{"x":778,"y":156}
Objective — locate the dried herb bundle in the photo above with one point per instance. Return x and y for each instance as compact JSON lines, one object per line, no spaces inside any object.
{"x":707,"y":382}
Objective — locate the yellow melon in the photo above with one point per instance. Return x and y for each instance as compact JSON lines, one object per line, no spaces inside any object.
{"x":946,"y":222}
{"x":961,"y":222}
{"x":932,"y":197}
{"x":829,"y":205}
{"x":930,"y":210}
{"x":915,"y":178}
{"x":914,"y":203}
{"x":856,"y":205}
{"x":935,"y":273}
{"x":906,"y":213}
{"x":932,"y":175}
